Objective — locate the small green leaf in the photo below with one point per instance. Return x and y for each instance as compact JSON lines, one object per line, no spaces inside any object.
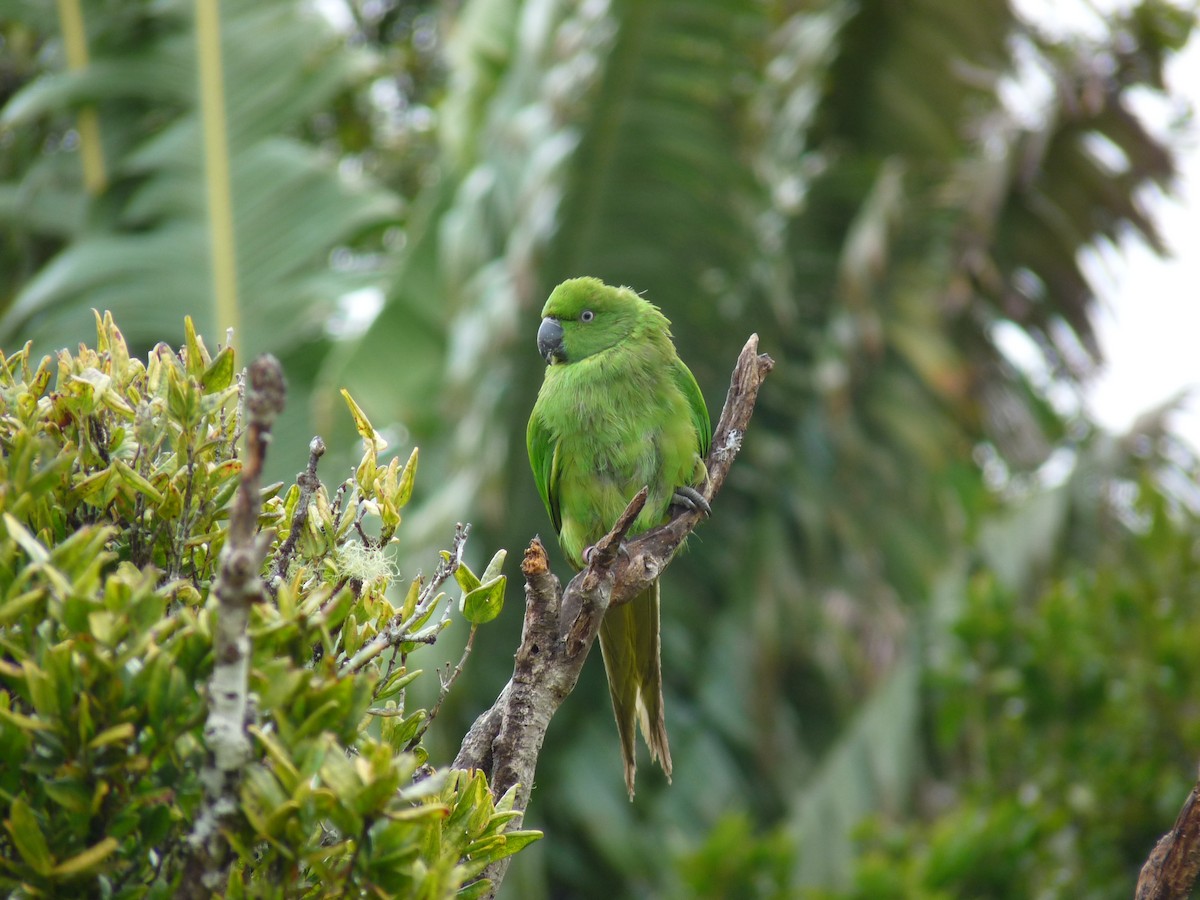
{"x":467,"y":580}
{"x":41,"y":378}
{"x":115,"y":735}
{"x":516,"y":841}
{"x":407,"y":729}
{"x":474,"y":890}
{"x":419,"y":619}
{"x":279,"y":817}
{"x":336,"y":610}
{"x":182,"y":401}
{"x":118,"y":351}
{"x":500,"y":819}
{"x":494,"y":566}
{"x":485,"y":602}
{"x":88,"y":859}
{"x":219,"y":375}
{"x":136,"y":481}
{"x":473,"y":806}
{"x":425,"y":788}
{"x":25,"y":723}
{"x":505,"y":803}
{"x":15,"y":607}
{"x":93,"y":385}
{"x":25,"y":539}
{"x":352,"y":636}
{"x":410,"y":599}
{"x":101,"y":331}
{"x":319,"y":719}
{"x":90,"y":485}
{"x":405,"y":486}
{"x":105,"y":627}
{"x":365,"y":429}
{"x":417,"y":813}
{"x":283,"y":767}
{"x":397,"y":682}
{"x":69,"y":793}
{"x":197,"y":353}
{"x":27,"y":836}
{"x":365,"y":474}
{"x":43,"y":690}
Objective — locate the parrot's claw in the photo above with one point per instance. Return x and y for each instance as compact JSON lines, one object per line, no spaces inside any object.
{"x":692,"y":499}
{"x":590,"y":551}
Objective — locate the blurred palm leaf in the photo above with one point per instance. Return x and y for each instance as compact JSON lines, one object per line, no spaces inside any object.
{"x":141,"y":249}
{"x":870,"y":769}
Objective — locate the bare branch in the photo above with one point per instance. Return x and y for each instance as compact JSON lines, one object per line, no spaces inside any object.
{"x":309,"y":484}
{"x":238,"y":588}
{"x":447,"y":682}
{"x":560,"y":627}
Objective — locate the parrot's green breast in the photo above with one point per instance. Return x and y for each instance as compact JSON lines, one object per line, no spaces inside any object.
{"x":624,"y":426}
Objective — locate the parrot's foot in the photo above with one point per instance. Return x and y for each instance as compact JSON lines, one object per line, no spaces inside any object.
{"x":591,"y":550}
{"x":692,"y":499}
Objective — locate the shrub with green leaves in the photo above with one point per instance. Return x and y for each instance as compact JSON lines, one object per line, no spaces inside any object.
{"x":116,"y":477}
{"x":1064,"y":717}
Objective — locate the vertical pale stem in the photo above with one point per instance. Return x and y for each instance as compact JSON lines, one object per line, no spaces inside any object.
{"x":216,"y":167}
{"x":91,"y":153}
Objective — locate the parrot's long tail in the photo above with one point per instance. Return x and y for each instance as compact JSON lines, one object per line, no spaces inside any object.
{"x":629,"y":641}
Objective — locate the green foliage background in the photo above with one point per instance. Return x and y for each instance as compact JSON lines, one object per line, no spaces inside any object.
{"x":929,"y":643}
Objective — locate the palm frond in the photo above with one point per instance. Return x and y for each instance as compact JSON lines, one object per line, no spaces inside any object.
{"x":142,"y":249}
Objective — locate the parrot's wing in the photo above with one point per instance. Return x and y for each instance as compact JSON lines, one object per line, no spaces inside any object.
{"x":543,"y":457}
{"x":687,"y":383}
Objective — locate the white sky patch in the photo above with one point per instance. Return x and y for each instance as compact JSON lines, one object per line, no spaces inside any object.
{"x":1149,"y":326}
{"x":356,"y":311}
{"x":337,"y":13}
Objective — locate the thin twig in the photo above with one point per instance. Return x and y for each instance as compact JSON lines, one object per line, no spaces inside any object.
{"x":348,"y":885}
{"x":309,"y":484}
{"x":339,"y":499}
{"x":446,"y":684}
{"x":185,"y":517}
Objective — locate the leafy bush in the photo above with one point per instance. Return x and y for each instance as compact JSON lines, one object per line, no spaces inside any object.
{"x":116,"y":478}
{"x":1064,"y":719}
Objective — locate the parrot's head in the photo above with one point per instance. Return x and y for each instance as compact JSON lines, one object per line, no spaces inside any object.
{"x":585,"y":316}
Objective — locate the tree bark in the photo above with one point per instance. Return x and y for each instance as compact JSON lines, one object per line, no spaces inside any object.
{"x":560,"y":626}
{"x":1170,"y":872}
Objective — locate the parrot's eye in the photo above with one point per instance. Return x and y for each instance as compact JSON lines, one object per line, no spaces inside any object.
{"x":586,"y":316}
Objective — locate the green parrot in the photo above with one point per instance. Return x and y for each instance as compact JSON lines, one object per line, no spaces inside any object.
{"x":618,"y":410}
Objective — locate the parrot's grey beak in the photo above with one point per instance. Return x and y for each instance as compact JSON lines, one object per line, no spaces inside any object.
{"x":550,"y":341}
